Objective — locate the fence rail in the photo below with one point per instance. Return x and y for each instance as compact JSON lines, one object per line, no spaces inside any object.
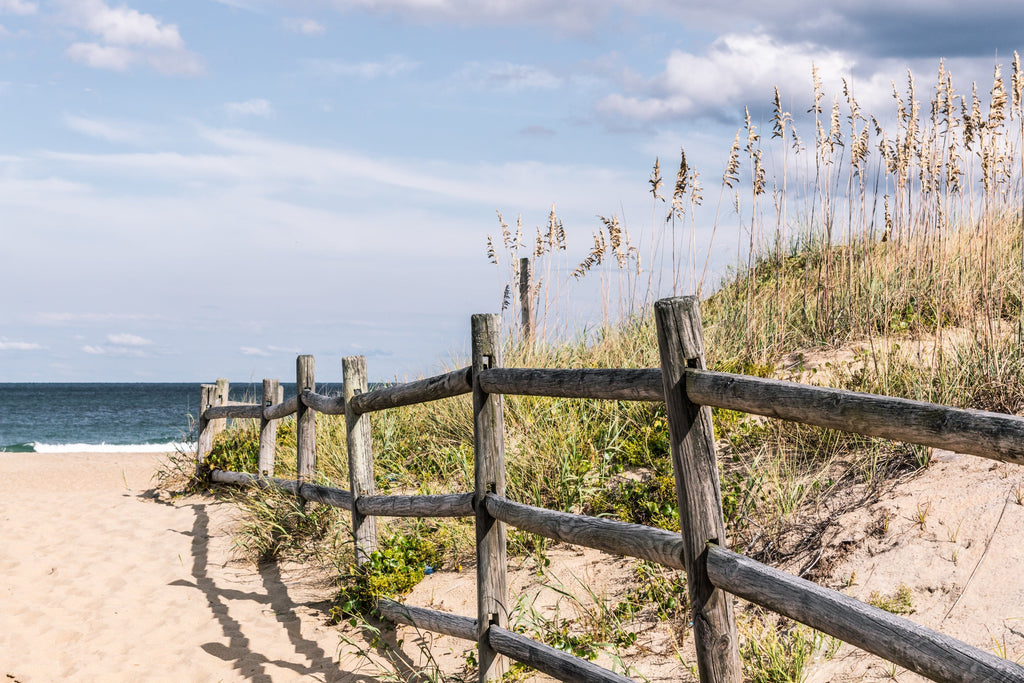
{"x":688,"y":391}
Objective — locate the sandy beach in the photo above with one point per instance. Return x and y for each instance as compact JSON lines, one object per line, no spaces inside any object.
{"x":103,"y":580}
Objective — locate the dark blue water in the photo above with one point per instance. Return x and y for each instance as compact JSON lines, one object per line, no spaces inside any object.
{"x":79,"y":417}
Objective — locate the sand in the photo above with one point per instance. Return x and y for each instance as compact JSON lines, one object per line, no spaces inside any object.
{"x":104,"y":580}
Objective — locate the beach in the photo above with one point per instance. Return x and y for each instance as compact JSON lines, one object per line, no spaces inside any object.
{"x":106,"y":579}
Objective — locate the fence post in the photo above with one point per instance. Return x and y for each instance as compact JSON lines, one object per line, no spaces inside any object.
{"x":489,"y":477}
{"x":360,"y":457}
{"x":305,"y":422}
{"x":681,"y":344}
{"x":220,"y":398}
{"x":526,"y":298}
{"x":204,"y":434}
{"x":268,"y":430}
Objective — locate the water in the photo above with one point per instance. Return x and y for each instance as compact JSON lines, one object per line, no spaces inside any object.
{"x":106,"y":417}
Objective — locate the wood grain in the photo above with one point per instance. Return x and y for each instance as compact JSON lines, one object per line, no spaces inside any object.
{"x":305,"y":421}
{"x":546,"y":659}
{"x":620,"y":538}
{"x":691,"y":433}
{"x":450,"y":384}
{"x":428,"y":619}
{"x":489,"y":477}
{"x":912,"y":646}
{"x":443,"y":505}
{"x":234,"y":410}
{"x":981,"y":433}
{"x":282,"y":409}
{"x":328,"y":405}
{"x":609,"y":384}
{"x":360,"y":457}
{"x":268,"y":430}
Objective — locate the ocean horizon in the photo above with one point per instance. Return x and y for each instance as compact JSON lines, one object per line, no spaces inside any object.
{"x":107,"y":417}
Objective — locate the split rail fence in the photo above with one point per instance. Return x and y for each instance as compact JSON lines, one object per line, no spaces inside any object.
{"x":713,"y":572}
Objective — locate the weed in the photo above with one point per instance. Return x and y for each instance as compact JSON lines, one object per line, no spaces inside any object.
{"x":900,"y":602}
{"x":778,"y":653}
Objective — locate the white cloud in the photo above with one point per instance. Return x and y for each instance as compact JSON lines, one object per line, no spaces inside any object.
{"x":736,"y":70}
{"x":253,"y":107}
{"x":111,"y":131}
{"x":509,"y":77}
{"x":392,"y":66}
{"x":20,"y":7}
{"x":72,"y":318}
{"x":113,"y":351}
{"x":101,"y":56}
{"x":126,"y":339}
{"x":125,"y":26}
{"x":18,"y":346}
{"x":307,"y":27}
{"x":253,"y":351}
{"x":127,"y":37}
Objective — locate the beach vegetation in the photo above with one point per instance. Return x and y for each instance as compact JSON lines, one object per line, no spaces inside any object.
{"x":878,"y":252}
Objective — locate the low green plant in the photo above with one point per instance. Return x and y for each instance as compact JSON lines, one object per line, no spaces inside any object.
{"x":391,"y":571}
{"x":900,"y":602}
{"x":778,"y":653}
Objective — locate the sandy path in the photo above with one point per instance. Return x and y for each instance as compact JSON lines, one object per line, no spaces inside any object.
{"x":101,"y":580}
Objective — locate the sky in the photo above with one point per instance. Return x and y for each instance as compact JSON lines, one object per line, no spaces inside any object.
{"x":200,"y":188}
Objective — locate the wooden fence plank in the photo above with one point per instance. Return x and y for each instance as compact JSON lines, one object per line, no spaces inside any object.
{"x":620,"y":538}
{"x":305,"y":421}
{"x":250,"y":411}
{"x":912,"y":646}
{"x":978,"y":432}
{"x":443,"y":505}
{"x":546,"y":659}
{"x":691,"y":432}
{"x":328,"y":405}
{"x":248,"y":479}
{"x":360,"y":457}
{"x":282,"y":408}
{"x":450,"y":384}
{"x":268,"y":430}
{"x":428,"y":619}
{"x":489,"y":477}
{"x":526,"y":299}
{"x":220,"y":399}
{"x":204,"y":434}
{"x":609,"y":384}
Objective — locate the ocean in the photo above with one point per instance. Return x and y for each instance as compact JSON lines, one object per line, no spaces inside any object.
{"x":107,"y":417}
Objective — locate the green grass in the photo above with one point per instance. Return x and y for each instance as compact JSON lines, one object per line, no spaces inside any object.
{"x":915,"y":255}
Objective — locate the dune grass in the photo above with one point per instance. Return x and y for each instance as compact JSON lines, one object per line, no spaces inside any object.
{"x":896,"y":238}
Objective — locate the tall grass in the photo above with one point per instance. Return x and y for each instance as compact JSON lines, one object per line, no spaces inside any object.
{"x":899,"y":236}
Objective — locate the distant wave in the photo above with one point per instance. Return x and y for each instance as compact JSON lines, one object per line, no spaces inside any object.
{"x":94,"y":448}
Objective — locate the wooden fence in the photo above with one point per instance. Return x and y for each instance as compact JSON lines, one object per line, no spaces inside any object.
{"x":713,"y":572}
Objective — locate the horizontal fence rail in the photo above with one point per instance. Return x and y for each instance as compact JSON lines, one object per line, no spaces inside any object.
{"x":976,"y":432}
{"x":614,"y":385}
{"x":915,"y":647}
{"x":431,"y":389}
{"x":619,"y":538}
{"x":713,"y":572}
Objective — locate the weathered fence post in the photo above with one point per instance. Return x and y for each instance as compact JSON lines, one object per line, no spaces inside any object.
{"x":220,"y":398}
{"x":360,"y":456}
{"x":691,"y":431}
{"x":526,"y":298}
{"x":305,"y":422}
{"x":268,"y":430}
{"x":204,"y":433}
{"x":489,"y":476}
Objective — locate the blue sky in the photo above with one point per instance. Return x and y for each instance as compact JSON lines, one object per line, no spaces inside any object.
{"x":194,"y":189}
